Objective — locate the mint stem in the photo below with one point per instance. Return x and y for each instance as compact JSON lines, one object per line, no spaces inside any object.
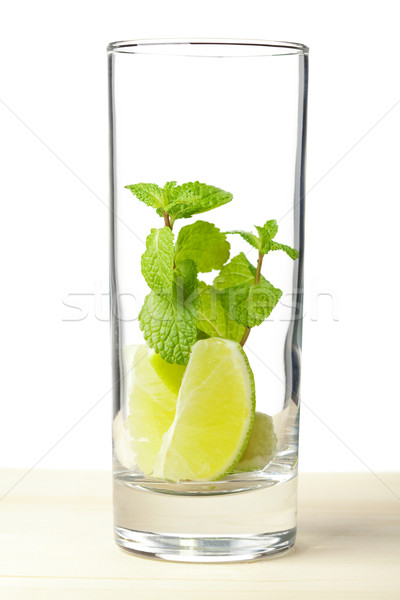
{"x":258,"y":271}
{"x":257,"y":277}
{"x":167,"y":222}
{"x":245,"y":336}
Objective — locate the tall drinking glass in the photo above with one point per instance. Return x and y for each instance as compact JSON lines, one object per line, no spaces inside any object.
{"x":207,"y":147}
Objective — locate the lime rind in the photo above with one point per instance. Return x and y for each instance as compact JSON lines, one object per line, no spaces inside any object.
{"x":253,"y":413}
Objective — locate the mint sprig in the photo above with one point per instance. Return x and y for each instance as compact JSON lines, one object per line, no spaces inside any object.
{"x":255,"y":303}
{"x":169,"y":314}
{"x":181,"y":309}
{"x":263,"y":242}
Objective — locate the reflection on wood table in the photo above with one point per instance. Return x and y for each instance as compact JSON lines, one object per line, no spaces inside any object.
{"x":56,"y":542}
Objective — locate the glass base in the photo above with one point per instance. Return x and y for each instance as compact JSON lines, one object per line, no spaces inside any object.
{"x":204,"y":549}
{"x":206,"y":527}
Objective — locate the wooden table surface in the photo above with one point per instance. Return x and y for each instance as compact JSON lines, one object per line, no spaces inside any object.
{"x":56,"y":543}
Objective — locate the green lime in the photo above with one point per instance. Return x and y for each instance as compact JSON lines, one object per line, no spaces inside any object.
{"x":214,"y":414}
{"x":170,"y":374}
{"x":152,"y":401}
{"x":261,"y":447}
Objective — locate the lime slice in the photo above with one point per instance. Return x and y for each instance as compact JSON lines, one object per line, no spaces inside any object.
{"x":214,"y":414}
{"x":261,"y":447}
{"x":151,"y":403}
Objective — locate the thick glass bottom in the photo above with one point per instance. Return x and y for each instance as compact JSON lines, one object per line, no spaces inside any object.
{"x":214,"y":527}
{"x":205,"y":549}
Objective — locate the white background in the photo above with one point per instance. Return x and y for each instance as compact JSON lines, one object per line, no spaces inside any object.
{"x":54,"y":222}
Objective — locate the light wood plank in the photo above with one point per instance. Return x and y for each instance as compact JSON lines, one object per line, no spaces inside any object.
{"x":56,"y":541}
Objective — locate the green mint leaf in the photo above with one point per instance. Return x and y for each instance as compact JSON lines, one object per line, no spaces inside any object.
{"x":201,"y":335}
{"x":289,"y":251}
{"x":238,"y":270}
{"x":205,"y":244}
{"x":212,"y":319}
{"x":168,"y":320}
{"x":185,"y":282}
{"x":190,"y":199}
{"x":158,"y":259}
{"x":150,"y":194}
{"x":248,"y":237}
{"x":268,"y":231}
{"x":168,"y":187}
{"x":250,"y":304}
{"x":168,"y":327}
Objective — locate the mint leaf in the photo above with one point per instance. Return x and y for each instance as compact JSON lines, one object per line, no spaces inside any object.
{"x":168,"y":187}
{"x":181,"y":201}
{"x":201,"y":335}
{"x":185,"y":282}
{"x":205,"y":244}
{"x":158,"y":259}
{"x":168,"y":327}
{"x":248,"y":237}
{"x":238,"y":270}
{"x":150,"y":194}
{"x":190,"y":199}
{"x":268,"y":231}
{"x":250,"y":304}
{"x":289,"y":251}
{"x":168,"y":320}
{"x":212,"y":319}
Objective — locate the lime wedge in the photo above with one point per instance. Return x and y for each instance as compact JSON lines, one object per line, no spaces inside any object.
{"x":214,"y":414}
{"x":151,"y":402}
{"x":170,"y":374}
{"x":261,"y":447}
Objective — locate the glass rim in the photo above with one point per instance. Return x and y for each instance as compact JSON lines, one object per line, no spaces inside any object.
{"x":253,"y":47}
